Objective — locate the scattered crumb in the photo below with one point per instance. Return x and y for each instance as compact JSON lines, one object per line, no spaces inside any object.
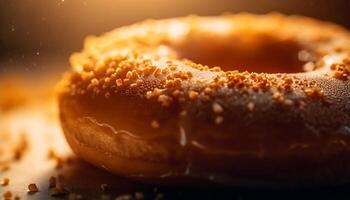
{"x":32,"y":188}
{"x":250,"y":106}
{"x":288,"y":102}
{"x":154,"y":124}
{"x":5,"y":182}
{"x":302,"y":104}
{"x":193,"y":95}
{"x":217,"y":108}
{"x":164,"y":100}
{"x":56,"y":189}
{"x":107,"y":95}
{"x":308,"y":67}
{"x":219,"y":120}
{"x":95,"y":82}
{"x":7,"y":195}
{"x":276,"y":96}
{"x":51,"y":154}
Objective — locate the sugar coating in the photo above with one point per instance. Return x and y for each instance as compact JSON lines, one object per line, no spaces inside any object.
{"x":138,"y":58}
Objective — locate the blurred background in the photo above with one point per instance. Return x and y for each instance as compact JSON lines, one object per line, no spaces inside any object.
{"x":39,"y":35}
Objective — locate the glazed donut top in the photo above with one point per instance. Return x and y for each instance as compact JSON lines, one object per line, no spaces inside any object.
{"x":294,"y":60}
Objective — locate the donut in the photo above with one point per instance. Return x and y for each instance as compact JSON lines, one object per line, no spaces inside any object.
{"x":239,"y":99}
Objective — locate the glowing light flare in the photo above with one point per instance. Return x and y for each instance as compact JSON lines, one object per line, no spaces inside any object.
{"x":163,"y":50}
{"x":330,"y":60}
{"x":216,"y":26}
{"x":177,"y":30}
{"x":78,"y":68}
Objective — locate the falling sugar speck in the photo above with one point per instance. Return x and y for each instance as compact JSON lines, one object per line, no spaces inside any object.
{"x":13,"y":28}
{"x":37,"y":53}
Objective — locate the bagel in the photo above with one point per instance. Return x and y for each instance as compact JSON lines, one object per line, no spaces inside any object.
{"x":247,"y":100}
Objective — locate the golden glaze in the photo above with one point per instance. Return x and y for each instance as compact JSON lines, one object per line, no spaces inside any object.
{"x":135,"y":105}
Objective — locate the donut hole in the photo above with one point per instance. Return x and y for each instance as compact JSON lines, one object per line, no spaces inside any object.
{"x":253,"y":53}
